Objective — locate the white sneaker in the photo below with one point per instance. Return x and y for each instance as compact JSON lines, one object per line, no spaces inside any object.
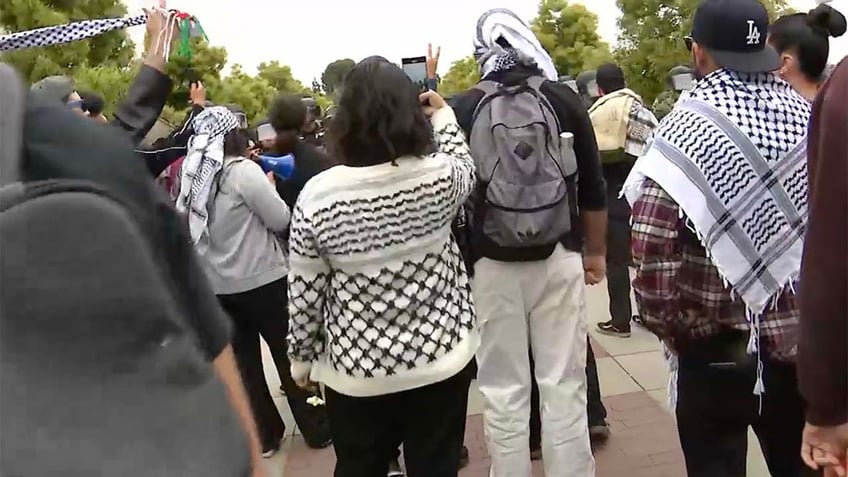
{"x":394,"y":469}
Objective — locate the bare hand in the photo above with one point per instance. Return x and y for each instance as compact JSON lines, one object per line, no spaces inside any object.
{"x":432,"y":61}
{"x":197,"y":94}
{"x":157,"y":19}
{"x":826,"y":447}
{"x":595,"y":267}
{"x":431,"y":102}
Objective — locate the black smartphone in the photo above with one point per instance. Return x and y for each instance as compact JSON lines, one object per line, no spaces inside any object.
{"x":415,"y":69}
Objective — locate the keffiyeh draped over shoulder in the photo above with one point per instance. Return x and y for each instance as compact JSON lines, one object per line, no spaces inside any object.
{"x":201,"y":165}
{"x":525,"y":48}
{"x":732,"y":155}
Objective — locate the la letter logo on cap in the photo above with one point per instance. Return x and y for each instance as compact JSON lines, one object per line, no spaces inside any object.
{"x":753,"y":33}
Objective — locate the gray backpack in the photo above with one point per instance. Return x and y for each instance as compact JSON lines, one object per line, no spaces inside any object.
{"x":523,"y":165}
{"x":99,"y":374}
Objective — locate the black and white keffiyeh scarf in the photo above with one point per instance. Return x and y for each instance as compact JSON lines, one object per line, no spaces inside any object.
{"x":59,"y":34}
{"x":201,"y":165}
{"x":524,"y":49}
{"x":732,"y":155}
{"x":737,"y":146}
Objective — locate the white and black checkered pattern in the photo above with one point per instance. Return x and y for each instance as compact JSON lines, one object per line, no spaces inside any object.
{"x":204,"y":160}
{"x":501,"y":23}
{"x":378,"y":289}
{"x":58,"y":34}
{"x":733,"y":156}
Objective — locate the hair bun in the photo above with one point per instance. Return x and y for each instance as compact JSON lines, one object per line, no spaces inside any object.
{"x":827,"y":20}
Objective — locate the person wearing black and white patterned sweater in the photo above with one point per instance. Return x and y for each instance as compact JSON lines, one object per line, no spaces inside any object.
{"x":380,"y":301}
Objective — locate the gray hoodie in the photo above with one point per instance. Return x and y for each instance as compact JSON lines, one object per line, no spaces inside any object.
{"x":244,"y":252}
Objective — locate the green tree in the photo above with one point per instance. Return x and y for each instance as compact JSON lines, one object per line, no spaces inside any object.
{"x":252,"y":93}
{"x":462,"y":75}
{"x":280,"y":77}
{"x":111,"y":49}
{"x":570,"y":34}
{"x":110,"y":82}
{"x":334,"y":75}
{"x":205,"y":65}
{"x":650,"y":40}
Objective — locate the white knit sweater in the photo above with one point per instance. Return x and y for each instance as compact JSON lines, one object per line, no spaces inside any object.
{"x":379,"y":298}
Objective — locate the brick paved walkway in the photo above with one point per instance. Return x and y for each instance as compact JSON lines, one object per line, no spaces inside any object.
{"x":633,"y":379}
{"x":643,"y":444}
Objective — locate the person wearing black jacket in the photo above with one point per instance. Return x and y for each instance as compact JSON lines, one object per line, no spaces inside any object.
{"x":552,"y":278}
{"x":58,"y":145}
{"x":167,"y":150}
{"x":464,"y":105}
{"x":287,"y":115}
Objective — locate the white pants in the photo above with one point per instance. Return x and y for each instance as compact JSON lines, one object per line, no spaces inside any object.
{"x":543,"y":302}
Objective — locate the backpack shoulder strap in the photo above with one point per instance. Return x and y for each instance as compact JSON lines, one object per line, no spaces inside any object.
{"x":487,"y":87}
{"x":536,"y":82}
{"x":12,"y":97}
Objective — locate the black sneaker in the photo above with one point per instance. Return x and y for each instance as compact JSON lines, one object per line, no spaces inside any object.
{"x":463,"y":458}
{"x":608,"y":328}
{"x":599,"y":432}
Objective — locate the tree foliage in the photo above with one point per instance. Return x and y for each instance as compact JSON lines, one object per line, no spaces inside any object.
{"x":334,"y":75}
{"x":569,"y":32}
{"x":650,"y":39}
{"x":252,"y":93}
{"x":110,"y":82}
{"x":108,"y":50}
{"x":105,"y":64}
{"x":206,"y":64}
{"x":462,"y":75}
{"x":280,"y":78}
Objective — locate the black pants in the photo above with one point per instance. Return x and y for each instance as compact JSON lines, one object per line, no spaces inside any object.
{"x":594,"y":407}
{"x":618,"y":263}
{"x":715,"y":406}
{"x":428,"y":421}
{"x":264,"y":311}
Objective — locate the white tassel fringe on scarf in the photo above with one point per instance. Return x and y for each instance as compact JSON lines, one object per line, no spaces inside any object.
{"x":732,"y":155}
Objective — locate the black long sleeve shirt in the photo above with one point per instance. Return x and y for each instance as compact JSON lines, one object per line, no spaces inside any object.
{"x":591,"y":193}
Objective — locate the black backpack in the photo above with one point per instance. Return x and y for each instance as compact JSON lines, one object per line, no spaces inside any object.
{"x":99,"y":376}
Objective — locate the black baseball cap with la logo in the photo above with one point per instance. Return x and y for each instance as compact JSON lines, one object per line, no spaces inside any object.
{"x":734,"y":32}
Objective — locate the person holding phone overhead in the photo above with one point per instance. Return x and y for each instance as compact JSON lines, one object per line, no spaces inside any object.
{"x":381,"y":308}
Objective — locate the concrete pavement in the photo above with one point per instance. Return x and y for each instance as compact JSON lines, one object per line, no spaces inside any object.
{"x":633,"y":377}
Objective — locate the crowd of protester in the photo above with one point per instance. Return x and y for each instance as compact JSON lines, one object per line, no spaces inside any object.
{"x":420,"y":243}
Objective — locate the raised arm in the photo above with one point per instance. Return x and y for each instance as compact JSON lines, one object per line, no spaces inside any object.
{"x":138,"y":111}
{"x":450,"y":141}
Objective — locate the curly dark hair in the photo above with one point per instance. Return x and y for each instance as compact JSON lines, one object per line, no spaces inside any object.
{"x":379,"y":117}
{"x":287,"y":112}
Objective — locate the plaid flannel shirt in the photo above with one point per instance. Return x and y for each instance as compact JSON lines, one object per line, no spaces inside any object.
{"x":681,"y":295}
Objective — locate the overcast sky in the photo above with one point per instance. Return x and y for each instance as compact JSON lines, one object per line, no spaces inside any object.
{"x":307,"y":35}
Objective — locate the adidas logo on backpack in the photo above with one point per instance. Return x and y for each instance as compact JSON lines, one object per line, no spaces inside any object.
{"x":523,"y":164}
